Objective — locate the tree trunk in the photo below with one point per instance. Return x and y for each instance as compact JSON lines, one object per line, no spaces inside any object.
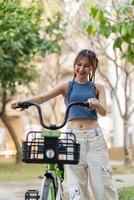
{"x":127,"y":148}
{"x":14,"y":137}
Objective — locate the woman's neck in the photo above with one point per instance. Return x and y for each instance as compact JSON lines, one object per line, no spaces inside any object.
{"x":82,"y":81}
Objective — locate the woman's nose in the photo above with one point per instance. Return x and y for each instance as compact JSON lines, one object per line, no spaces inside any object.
{"x":82,"y":68}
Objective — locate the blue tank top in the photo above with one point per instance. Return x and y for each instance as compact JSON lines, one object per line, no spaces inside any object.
{"x":80,"y":92}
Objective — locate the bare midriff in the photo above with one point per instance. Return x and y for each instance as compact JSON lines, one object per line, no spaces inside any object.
{"x":82,"y":124}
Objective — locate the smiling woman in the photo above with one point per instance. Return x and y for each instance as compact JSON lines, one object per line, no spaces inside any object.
{"x":85,"y":63}
{"x":83,"y":69}
{"x":83,"y":122}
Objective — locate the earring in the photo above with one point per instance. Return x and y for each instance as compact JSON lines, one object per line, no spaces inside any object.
{"x":91,"y":75}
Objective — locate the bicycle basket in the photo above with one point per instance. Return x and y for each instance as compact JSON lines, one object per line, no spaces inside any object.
{"x":51,"y":149}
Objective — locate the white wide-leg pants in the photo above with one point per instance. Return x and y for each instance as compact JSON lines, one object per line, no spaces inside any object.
{"x":93,"y":167}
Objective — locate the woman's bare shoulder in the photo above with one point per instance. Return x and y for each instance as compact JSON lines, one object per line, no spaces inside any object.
{"x":64,"y":86}
{"x":99,"y":86}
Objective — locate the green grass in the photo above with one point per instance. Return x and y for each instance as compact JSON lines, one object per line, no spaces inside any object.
{"x":126,"y":193}
{"x":9,"y":171}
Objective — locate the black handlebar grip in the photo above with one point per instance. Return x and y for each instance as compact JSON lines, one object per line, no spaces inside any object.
{"x":85,"y":104}
{"x":24,"y":105}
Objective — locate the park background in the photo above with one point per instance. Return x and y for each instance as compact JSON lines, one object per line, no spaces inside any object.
{"x":39,"y":41}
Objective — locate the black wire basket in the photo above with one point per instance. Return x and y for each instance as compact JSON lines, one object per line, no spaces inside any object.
{"x":38,"y":149}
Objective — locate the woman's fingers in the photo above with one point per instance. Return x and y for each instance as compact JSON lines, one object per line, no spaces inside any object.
{"x":15,"y":105}
{"x":93,"y":102}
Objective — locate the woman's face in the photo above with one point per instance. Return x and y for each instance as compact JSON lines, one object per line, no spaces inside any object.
{"x":83,"y":68}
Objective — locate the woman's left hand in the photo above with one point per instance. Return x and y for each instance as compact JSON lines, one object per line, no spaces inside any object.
{"x":93,"y":103}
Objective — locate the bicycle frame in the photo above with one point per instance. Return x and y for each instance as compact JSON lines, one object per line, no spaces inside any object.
{"x":54,"y":151}
{"x":53,"y":171}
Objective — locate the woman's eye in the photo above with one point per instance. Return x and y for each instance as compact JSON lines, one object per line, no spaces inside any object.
{"x":85,"y":66}
{"x":88,"y":66}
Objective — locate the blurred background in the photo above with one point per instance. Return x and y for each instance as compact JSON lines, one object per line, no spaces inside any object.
{"x":39,"y":41}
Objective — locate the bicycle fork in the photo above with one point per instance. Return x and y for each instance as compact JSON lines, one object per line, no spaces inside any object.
{"x":56,"y":173}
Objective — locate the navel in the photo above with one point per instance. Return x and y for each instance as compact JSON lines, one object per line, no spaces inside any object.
{"x":81,"y":126}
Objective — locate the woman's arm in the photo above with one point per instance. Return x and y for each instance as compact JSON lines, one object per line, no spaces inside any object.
{"x":100,"y":103}
{"x":57,"y":90}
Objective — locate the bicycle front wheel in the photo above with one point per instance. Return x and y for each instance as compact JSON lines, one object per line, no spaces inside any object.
{"x":48,"y":191}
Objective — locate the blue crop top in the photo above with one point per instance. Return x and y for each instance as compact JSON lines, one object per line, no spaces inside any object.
{"x":80,"y":92}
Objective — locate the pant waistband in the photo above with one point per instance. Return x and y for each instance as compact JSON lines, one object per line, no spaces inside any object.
{"x":88,"y":131}
{"x":89,"y":134}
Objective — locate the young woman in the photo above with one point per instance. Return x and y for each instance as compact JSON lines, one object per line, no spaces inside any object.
{"x":94,"y":161}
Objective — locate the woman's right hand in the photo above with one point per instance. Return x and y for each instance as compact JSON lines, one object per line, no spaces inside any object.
{"x":15,"y":105}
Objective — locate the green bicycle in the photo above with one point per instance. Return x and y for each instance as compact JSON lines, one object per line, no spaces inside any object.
{"x":52,"y":148}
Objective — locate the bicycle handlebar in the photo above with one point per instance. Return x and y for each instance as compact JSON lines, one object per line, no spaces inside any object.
{"x":27,"y":104}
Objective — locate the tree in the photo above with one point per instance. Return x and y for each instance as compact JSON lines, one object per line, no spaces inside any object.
{"x":115,"y":29}
{"x":23,"y":36}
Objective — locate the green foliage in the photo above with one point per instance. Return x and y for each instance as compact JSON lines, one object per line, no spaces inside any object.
{"x":22,"y":36}
{"x":126,"y":193}
{"x":103,"y":23}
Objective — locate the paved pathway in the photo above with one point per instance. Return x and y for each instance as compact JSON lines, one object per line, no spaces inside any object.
{"x":15,"y":190}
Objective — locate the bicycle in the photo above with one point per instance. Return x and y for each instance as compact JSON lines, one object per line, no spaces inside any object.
{"x":52,"y":148}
